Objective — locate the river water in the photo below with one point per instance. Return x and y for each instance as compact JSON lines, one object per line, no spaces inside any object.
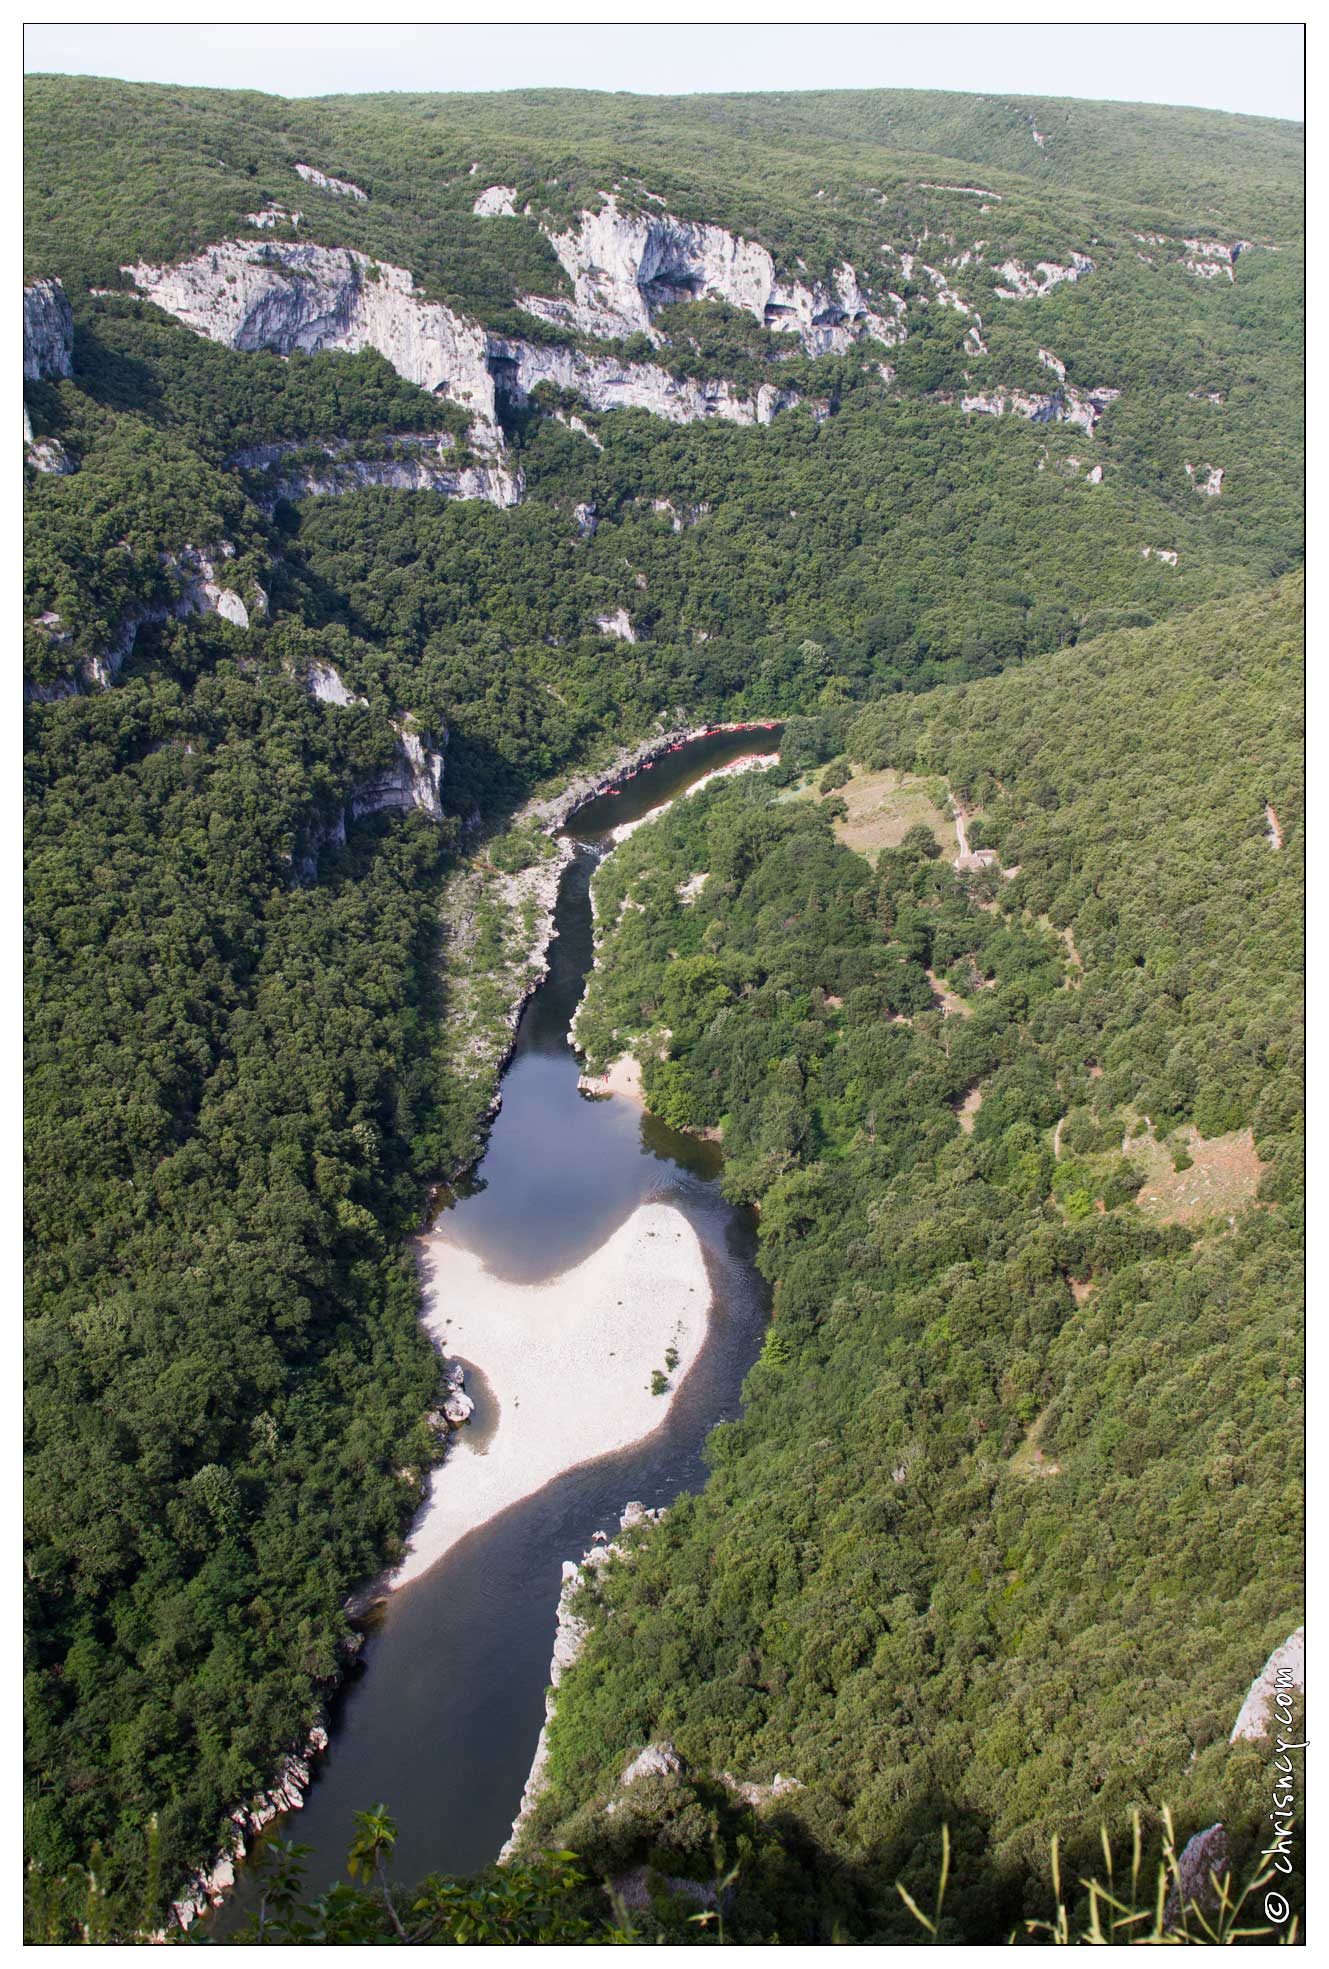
{"x":440,"y":1722}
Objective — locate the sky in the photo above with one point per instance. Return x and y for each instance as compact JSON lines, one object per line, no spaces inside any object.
{"x":1253,"y":69}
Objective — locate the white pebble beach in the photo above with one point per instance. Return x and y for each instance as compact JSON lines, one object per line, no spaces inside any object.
{"x":568,"y":1361}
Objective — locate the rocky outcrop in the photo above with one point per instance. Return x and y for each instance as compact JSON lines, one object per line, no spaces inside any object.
{"x":273,"y":216}
{"x":285,"y":295}
{"x":496,"y":202}
{"x":208,"y":1888}
{"x":413,"y":780}
{"x":326,"y":685}
{"x":1083,"y":408}
{"x":45,"y":454}
{"x":456,"y":1408}
{"x":1207,"y":479}
{"x":758,"y":1795}
{"x":419,"y":462}
{"x":609,"y":383}
{"x":1021,"y":285}
{"x":1283,"y":1675}
{"x":201,"y":593}
{"x":1202,"y":1859}
{"x":1208,"y":258}
{"x":570,"y":1632}
{"x":625,"y":266}
{"x":1167,"y":555}
{"x":48,"y":331}
{"x":580,"y":426}
{"x":338,"y":187}
{"x":618,"y":624}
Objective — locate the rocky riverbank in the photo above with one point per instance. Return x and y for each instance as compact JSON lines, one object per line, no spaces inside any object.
{"x":570,"y":1631}
{"x":208,"y":1887}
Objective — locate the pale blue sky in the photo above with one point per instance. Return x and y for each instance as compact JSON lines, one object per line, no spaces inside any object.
{"x":1253,"y":69}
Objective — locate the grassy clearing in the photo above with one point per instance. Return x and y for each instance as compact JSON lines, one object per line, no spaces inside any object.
{"x":1222,"y":1178}
{"x":883,"y":807}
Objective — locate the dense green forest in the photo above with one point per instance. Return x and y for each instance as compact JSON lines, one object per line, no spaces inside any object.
{"x":238,"y":1078}
{"x":1009,"y":1522}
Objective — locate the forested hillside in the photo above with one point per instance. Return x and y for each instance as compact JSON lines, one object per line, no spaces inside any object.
{"x":966,"y":435}
{"x":1009,"y":1522}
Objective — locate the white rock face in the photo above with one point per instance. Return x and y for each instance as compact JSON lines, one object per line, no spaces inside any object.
{"x":1165,"y":554}
{"x":1208,"y":258}
{"x":970,"y":191}
{"x":581,"y":427}
{"x":1049,"y":361}
{"x":605,"y":383}
{"x":624,"y":266}
{"x":281,"y":295}
{"x":422,"y":464}
{"x":209,"y":1886}
{"x":414,"y":779}
{"x":496,"y":202}
{"x":618,"y":624}
{"x":1284,"y":1674}
{"x":1066,"y":406}
{"x":570,"y":1633}
{"x":326,"y":685}
{"x":48,"y":331}
{"x":201,"y":594}
{"x":339,"y":187}
{"x":272,"y":216}
{"x":1021,"y":285}
{"x":48,"y":455}
{"x":657,"y":1760}
{"x":1207,"y":479}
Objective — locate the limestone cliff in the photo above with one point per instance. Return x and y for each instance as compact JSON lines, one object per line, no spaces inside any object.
{"x":338,"y":187}
{"x":416,"y":462}
{"x":412,"y":780}
{"x":624,"y":266}
{"x":570,"y":1631}
{"x":285,"y":295}
{"x":48,"y":331}
{"x":193,"y":572}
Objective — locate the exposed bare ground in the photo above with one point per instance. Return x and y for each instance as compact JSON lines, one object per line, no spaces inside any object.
{"x":969,"y":1107}
{"x":1029,"y":1460}
{"x":882,"y":809}
{"x":1223,"y":1177}
{"x":951,"y":1002}
{"x":1080,"y":1289}
{"x":1275,"y":831}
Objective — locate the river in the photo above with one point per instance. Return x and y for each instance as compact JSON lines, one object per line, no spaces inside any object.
{"x":439,"y":1722}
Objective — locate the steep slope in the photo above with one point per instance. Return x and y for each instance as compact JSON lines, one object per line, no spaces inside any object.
{"x":1020,"y":1444}
{"x":729,"y":423}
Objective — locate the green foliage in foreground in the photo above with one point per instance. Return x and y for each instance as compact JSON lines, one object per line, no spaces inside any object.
{"x":880,"y":1592}
{"x":550,"y":1900}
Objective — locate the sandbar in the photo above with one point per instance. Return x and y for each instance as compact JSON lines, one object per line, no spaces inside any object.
{"x":569,"y":1361}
